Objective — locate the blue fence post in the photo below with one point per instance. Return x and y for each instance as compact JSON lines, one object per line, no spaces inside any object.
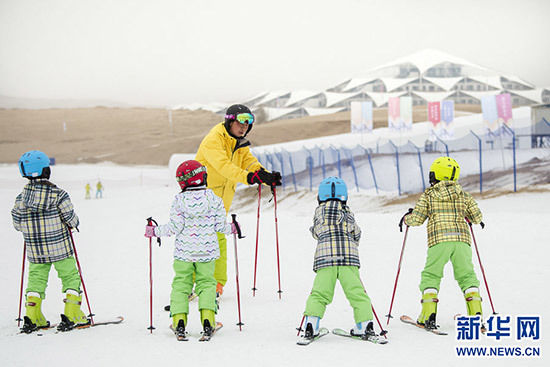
{"x":279,"y":156}
{"x":352,"y":164}
{"x":371,"y":169}
{"x":292,"y":169}
{"x":480,"y":162}
{"x":269,"y":159}
{"x":513,"y":151}
{"x":309,"y":165}
{"x":322,"y":161}
{"x":338,"y":164}
{"x":442,"y":142}
{"x":397,"y":164}
{"x":420,"y":164}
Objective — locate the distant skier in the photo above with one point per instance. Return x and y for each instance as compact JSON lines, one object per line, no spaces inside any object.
{"x":226,"y":154}
{"x":197,"y":214}
{"x":445,"y":204}
{"x":337,"y":258}
{"x":44,"y":214}
{"x":99,"y":190}
{"x":88,"y":191}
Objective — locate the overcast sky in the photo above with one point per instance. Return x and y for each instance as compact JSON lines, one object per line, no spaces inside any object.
{"x":161,"y":52}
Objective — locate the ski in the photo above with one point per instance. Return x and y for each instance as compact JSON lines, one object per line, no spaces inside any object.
{"x":29,"y":328}
{"x":114,"y":321}
{"x":205,"y":338}
{"x":306,"y":341}
{"x":182,"y":337}
{"x":407,"y":320}
{"x":371,"y":338}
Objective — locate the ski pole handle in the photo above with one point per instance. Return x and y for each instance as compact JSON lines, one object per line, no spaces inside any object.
{"x":234,"y":221}
{"x":150,"y":222}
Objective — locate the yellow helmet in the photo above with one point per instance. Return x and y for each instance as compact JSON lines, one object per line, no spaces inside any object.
{"x":444,"y":169}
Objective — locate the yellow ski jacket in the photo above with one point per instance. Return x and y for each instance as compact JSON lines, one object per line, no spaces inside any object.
{"x":227,"y":162}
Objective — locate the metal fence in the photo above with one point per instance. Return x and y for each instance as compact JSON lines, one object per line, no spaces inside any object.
{"x":404,"y":168}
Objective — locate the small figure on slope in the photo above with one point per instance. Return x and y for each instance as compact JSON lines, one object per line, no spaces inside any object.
{"x":44,"y":214}
{"x":445,"y":204}
{"x":197,"y":214}
{"x":337,"y":258}
{"x":99,"y":190}
{"x":88,"y":191}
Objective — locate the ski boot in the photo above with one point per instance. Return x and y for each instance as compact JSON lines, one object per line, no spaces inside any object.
{"x":429,"y":309}
{"x":34,"y":318}
{"x":365,"y":330}
{"x":312,"y":327}
{"x":178,"y":325}
{"x":73,"y":315}
{"x":208,"y":322}
{"x":473,"y":305}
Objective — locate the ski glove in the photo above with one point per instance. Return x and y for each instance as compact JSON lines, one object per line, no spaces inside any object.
{"x":150,"y":231}
{"x":235,"y":228}
{"x":262,"y":176}
{"x":403,"y":219}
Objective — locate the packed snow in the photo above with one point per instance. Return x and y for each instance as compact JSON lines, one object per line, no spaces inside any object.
{"x":114,"y":256}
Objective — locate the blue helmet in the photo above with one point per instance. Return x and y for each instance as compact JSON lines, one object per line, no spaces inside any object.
{"x":333,"y":188}
{"x":32,"y":163}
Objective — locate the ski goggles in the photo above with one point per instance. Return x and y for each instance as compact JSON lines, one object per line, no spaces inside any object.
{"x":191,"y":174}
{"x":243,"y":118}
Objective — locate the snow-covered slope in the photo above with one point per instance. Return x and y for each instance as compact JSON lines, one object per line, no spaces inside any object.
{"x":114,"y":257}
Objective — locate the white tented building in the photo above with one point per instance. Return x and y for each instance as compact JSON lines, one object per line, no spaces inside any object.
{"x":426,"y":76}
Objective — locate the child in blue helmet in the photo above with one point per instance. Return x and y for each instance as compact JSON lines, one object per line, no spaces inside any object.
{"x":44,"y":214}
{"x":337,"y":258}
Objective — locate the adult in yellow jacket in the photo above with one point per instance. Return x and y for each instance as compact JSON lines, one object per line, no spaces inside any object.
{"x":226,"y":154}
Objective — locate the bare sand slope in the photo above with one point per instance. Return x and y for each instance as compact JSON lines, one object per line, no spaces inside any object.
{"x":144,"y":136}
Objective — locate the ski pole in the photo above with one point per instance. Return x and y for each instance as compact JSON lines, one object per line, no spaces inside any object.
{"x":382,"y":331}
{"x":234,"y":216}
{"x":301,"y":323}
{"x":91,"y":315}
{"x":481,"y":266}
{"x":254,"y":289}
{"x":397,"y":276}
{"x":277,"y":238}
{"x":19,"y":319}
{"x":150,"y":222}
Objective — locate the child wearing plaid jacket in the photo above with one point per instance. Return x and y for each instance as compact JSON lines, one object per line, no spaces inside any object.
{"x":44,"y":214}
{"x":337,"y":258}
{"x":446,"y":205}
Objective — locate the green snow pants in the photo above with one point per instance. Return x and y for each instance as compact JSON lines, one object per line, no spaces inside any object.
{"x":323,"y":291}
{"x":66,"y":271}
{"x":220,"y":273}
{"x":182,"y":286}
{"x":460,"y":254}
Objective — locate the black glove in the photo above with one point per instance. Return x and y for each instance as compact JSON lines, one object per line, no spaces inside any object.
{"x":262,"y":176}
{"x":482,"y":225}
{"x":403,"y":219}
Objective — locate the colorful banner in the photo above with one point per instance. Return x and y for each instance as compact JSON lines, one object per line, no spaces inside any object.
{"x":490,"y":114}
{"x":406,"y":112}
{"x":447,"y":116}
{"x":434,"y":113}
{"x":504,"y":108}
{"x":393,"y":113}
{"x":361,"y":116}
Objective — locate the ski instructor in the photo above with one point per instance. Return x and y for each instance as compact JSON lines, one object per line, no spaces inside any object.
{"x":226,"y":154}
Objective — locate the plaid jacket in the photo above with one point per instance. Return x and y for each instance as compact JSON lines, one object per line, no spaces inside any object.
{"x":42,"y":213}
{"x":445,"y":205}
{"x":337,"y":234}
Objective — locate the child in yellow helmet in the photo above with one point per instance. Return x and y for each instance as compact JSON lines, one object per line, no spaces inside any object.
{"x":446,"y":205}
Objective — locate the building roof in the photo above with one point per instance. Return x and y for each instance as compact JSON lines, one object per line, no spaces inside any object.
{"x":299,"y":96}
{"x":428,"y":58}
